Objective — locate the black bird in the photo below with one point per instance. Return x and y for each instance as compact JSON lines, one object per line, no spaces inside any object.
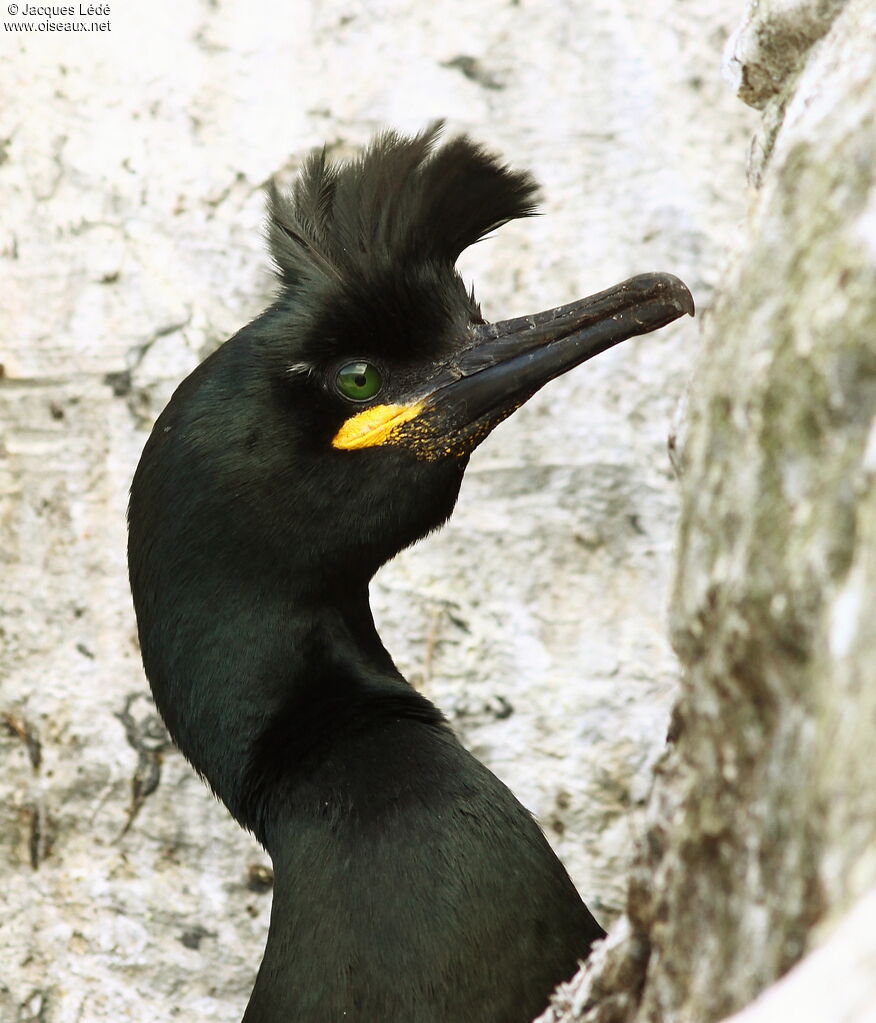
{"x":320,"y":440}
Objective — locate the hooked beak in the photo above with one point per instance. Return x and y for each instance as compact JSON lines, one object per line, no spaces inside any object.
{"x":507,"y":362}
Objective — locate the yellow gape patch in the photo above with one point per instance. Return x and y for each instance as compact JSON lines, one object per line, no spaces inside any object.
{"x":375,"y":425}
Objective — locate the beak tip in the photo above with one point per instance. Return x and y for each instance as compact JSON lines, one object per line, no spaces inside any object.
{"x":684,"y":300}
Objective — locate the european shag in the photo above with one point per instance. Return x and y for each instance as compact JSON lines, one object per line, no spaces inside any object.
{"x":324,"y":437}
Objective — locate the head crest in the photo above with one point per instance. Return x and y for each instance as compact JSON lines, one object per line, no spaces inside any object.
{"x":404,"y":201}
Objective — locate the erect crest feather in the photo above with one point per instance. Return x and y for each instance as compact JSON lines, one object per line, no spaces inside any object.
{"x":404,"y":201}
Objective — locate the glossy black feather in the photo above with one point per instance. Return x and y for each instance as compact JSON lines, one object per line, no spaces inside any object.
{"x":402,"y":203}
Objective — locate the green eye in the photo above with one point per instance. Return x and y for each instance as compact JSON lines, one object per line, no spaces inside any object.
{"x":358,"y":381}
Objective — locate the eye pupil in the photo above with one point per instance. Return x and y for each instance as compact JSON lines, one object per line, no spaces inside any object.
{"x":358,"y":381}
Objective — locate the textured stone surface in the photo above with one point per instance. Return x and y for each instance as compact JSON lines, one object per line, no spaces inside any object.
{"x":763,"y":817}
{"x":132,"y":166}
{"x":763,"y":58}
{"x":837,"y":982}
{"x":772,"y":42}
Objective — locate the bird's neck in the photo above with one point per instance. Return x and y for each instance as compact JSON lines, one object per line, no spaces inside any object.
{"x":255,"y":691}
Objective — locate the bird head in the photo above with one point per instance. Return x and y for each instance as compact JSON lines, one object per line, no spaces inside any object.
{"x":334,"y":430}
{"x":331,"y":432}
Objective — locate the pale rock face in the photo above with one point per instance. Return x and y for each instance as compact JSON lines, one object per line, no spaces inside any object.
{"x":772,"y":42}
{"x":836,"y":982}
{"x":763,"y":816}
{"x":132,"y":165}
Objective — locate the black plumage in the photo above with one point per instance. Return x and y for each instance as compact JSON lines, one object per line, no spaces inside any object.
{"x":328,"y":434}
